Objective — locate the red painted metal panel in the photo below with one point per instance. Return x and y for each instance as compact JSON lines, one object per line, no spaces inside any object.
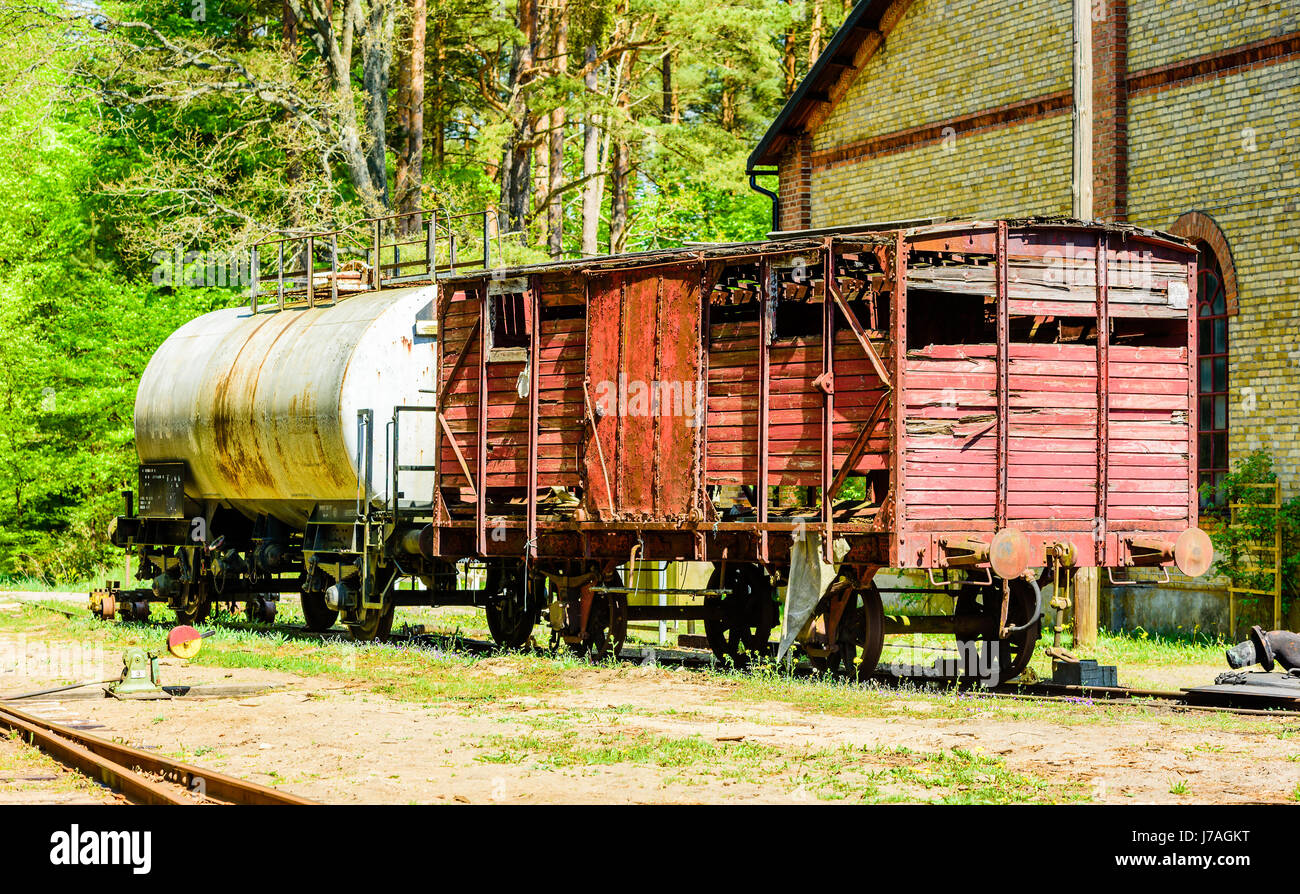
{"x":644,"y":369}
{"x":678,"y":429}
{"x":604,"y":321}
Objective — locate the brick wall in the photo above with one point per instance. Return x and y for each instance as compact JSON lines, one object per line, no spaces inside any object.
{"x":1015,"y":170}
{"x":1165,"y":31}
{"x":943,"y":63}
{"x":795,"y":176}
{"x":1229,"y":147}
{"x":1110,"y":111}
{"x":948,"y":58}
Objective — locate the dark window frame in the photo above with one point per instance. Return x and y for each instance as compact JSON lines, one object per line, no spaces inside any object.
{"x":1213,"y":351}
{"x":510,"y":322}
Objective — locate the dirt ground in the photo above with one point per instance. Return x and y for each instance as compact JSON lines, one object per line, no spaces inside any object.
{"x":629,"y":734}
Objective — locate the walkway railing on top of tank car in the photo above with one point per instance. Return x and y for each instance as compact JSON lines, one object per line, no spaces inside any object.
{"x":298,"y":274}
{"x":396,"y":249}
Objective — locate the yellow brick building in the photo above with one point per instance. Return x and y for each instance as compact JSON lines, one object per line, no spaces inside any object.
{"x":967,"y":108}
{"x":963,"y":108}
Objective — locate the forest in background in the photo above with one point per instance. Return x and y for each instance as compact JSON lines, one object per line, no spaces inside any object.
{"x":137,"y":130}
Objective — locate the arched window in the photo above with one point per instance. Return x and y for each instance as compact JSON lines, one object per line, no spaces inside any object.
{"x":1212,"y":370}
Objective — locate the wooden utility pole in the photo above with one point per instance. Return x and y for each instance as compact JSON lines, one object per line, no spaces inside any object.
{"x":1081,"y":187}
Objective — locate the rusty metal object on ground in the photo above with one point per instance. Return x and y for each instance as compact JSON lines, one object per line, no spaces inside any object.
{"x":1267,"y":649}
{"x":140,"y":775}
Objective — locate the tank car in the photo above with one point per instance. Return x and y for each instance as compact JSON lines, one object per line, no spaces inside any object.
{"x":256,"y":432}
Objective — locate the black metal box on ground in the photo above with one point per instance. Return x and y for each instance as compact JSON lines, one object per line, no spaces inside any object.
{"x":1084,"y":673}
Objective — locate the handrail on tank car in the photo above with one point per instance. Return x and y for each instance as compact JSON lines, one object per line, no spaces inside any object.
{"x":422,"y":267}
{"x":395,"y":465}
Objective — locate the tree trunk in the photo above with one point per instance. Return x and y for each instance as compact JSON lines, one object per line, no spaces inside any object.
{"x":591,"y":186}
{"x":815,"y":33}
{"x":439,"y":95}
{"x":620,"y":179}
{"x":376,"y":63}
{"x":288,"y":31}
{"x":401,"y":130}
{"x":410,"y":152}
{"x":618,"y":198}
{"x":789,"y":59}
{"x":336,"y":50}
{"x":516,"y":161}
{"x":555,"y":208}
{"x":672,"y":112}
{"x":293,"y":158}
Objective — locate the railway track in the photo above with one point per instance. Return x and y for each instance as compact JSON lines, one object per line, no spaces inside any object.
{"x":142,"y":777}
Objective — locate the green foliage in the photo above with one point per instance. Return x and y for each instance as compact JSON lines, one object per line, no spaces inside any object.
{"x":116,"y":149}
{"x":78,"y":330}
{"x":1248,"y":526}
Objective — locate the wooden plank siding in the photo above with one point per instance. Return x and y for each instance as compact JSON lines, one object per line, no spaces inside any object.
{"x":561,"y":420}
{"x":1009,"y":405}
{"x":1149,"y":437}
{"x":795,"y":406}
{"x":1061,"y":441}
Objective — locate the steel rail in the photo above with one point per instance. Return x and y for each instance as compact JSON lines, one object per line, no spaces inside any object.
{"x":128,"y":770}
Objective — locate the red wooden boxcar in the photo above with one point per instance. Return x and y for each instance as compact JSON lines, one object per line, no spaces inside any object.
{"x":1000,"y":403}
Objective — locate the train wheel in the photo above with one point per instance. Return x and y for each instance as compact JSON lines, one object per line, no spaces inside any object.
{"x":739,"y":624}
{"x":259,"y":611}
{"x":193,"y":606}
{"x":606,"y":626}
{"x":318,"y":615}
{"x":192,"y":616}
{"x":1012,"y":654}
{"x":107,"y":607}
{"x":617,"y":621}
{"x":510,"y":616}
{"x":510,"y":621}
{"x":862,"y":627}
{"x":873,"y":631}
{"x":138,"y":610}
{"x":595,"y":643}
{"x":374,"y":623}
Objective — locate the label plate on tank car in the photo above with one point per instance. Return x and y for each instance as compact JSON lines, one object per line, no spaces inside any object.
{"x":162,"y":490}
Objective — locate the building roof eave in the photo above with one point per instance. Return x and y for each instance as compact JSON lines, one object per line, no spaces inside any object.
{"x":863,"y":21}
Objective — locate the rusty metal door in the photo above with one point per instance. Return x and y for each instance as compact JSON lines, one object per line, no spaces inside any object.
{"x":644,"y":395}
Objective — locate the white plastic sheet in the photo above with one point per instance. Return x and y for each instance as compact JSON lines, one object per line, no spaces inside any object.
{"x":810,"y":576}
